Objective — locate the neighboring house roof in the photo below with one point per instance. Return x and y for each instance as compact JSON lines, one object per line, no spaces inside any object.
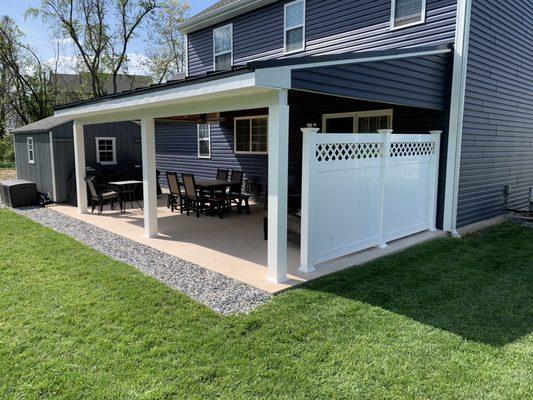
{"x":43,"y":125}
{"x":79,"y":82}
{"x":220,"y":11}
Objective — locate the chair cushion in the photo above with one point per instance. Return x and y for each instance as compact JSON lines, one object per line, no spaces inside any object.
{"x":108,"y":194}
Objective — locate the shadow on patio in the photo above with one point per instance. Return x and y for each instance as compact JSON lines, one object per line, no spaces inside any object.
{"x":480,"y":288}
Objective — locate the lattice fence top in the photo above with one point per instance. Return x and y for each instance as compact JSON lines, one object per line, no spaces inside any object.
{"x":327,"y":152}
{"x":411,"y":149}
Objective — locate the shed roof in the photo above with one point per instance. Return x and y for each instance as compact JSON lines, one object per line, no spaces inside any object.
{"x":43,"y":125}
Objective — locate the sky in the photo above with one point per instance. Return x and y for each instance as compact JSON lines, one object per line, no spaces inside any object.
{"x":37,"y":36}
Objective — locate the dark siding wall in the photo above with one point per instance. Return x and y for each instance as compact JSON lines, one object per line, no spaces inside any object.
{"x":128,"y":142}
{"x":497,"y":146}
{"x":332,"y":26}
{"x":41,"y":171}
{"x":177,"y":150}
{"x":309,"y":108}
{"x":417,"y":82}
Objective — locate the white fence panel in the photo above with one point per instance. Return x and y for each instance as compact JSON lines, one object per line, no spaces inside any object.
{"x":362,"y":190}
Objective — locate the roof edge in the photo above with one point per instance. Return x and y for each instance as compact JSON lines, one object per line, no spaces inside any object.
{"x":221,"y":14}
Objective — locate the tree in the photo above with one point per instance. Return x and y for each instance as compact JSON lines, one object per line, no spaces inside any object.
{"x":101,"y":44}
{"x":165,"y":46}
{"x":24,"y":78}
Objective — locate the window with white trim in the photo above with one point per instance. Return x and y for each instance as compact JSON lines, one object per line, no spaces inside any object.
{"x":407,"y":12}
{"x":357,"y":122}
{"x":223,"y":47}
{"x":294,"y":26}
{"x":204,"y":141}
{"x":31,"y":150}
{"x":251,"y":135}
{"x":106,"y":151}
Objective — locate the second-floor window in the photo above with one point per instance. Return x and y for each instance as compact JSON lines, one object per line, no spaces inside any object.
{"x":223,"y":47}
{"x":407,"y":13}
{"x":294,"y":26}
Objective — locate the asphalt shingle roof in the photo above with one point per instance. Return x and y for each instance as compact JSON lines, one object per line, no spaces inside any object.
{"x":43,"y":125}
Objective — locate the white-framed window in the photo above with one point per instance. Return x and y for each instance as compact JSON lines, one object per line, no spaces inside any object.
{"x":31,"y":150}
{"x":251,"y":135}
{"x":204,"y":140}
{"x":106,"y":150}
{"x":294,"y":26}
{"x":357,"y":122}
{"x":223,"y":47}
{"x":407,"y":13}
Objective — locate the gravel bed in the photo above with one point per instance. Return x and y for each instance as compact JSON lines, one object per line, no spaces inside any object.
{"x":222,"y":294}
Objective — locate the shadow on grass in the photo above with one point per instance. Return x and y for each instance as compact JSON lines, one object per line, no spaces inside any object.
{"x":480,"y":288}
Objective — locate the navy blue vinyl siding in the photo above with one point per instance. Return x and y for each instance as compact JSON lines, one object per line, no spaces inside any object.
{"x":332,"y":26}
{"x":177,"y":150}
{"x":497,"y":145}
{"x":417,"y":82}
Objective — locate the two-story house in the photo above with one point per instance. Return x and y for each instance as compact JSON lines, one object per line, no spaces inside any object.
{"x":354,"y":70}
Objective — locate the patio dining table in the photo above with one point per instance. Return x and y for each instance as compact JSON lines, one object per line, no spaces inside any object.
{"x":127,"y":192}
{"x":211,"y":185}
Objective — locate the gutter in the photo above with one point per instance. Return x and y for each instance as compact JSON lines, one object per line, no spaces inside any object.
{"x":221,"y":14}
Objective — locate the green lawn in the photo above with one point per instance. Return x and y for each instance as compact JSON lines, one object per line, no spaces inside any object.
{"x":446,"y":320}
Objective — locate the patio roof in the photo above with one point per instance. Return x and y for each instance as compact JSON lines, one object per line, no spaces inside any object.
{"x":252,"y":78}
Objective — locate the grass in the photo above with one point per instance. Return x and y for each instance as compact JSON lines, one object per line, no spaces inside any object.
{"x":7,"y":171}
{"x":448,"y":319}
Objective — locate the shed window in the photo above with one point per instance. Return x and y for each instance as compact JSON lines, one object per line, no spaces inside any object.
{"x":357,"y":122}
{"x":31,"y":150}
{"x":251,"y":135}
{"x":106,"y":152}
{"x":223,"y":47}
{"x":204,"y":141}
{"x":294,"y":26}
{"x":407,"y":12}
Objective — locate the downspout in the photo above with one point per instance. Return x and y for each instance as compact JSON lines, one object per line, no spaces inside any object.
{"x":457,"y":102}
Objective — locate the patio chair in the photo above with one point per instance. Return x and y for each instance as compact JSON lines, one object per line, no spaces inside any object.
{"x":176,"y":194}
{"x":235,"y":192}
{"x":197,"y":201}
{"x":100,"y":194}
{"x":222,"y":174}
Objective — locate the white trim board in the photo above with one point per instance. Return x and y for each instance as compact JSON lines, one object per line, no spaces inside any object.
{"x":457,"y":101}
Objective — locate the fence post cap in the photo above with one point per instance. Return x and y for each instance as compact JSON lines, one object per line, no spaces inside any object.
{"x":310,"y":130}
{"x":435,"y":132}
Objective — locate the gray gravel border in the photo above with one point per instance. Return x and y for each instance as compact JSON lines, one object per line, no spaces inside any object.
{"x":217,"y":291}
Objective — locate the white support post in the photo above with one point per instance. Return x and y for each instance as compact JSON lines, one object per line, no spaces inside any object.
{"x":383,"y":183}
{"x":306,"y":241}
{"x":79,"y":163}
{"x":149,"y":177}
{"x":278,"y":165}
{"x":434,"y":186}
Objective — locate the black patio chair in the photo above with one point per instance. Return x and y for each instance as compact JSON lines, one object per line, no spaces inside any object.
{"x":100,"y":194}
{"x":235,"y":192}
{"x":197,"y":201}
{"x":222,"y":174}
{"x":176,"y":195}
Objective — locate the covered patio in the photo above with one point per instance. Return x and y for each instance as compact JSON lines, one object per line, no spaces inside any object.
{"x":235,"y":246}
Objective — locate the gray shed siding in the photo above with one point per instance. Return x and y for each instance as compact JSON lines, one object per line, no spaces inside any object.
{"x":497,"y":145}
{"x":332,"y":26}
{"x":417,"y":82}
{"x":41,"y":171}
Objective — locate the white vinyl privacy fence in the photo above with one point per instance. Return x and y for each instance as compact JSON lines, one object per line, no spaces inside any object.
{"x":364,"y":190}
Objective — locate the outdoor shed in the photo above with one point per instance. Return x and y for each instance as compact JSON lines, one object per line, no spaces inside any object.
{"x":44,"y":153}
